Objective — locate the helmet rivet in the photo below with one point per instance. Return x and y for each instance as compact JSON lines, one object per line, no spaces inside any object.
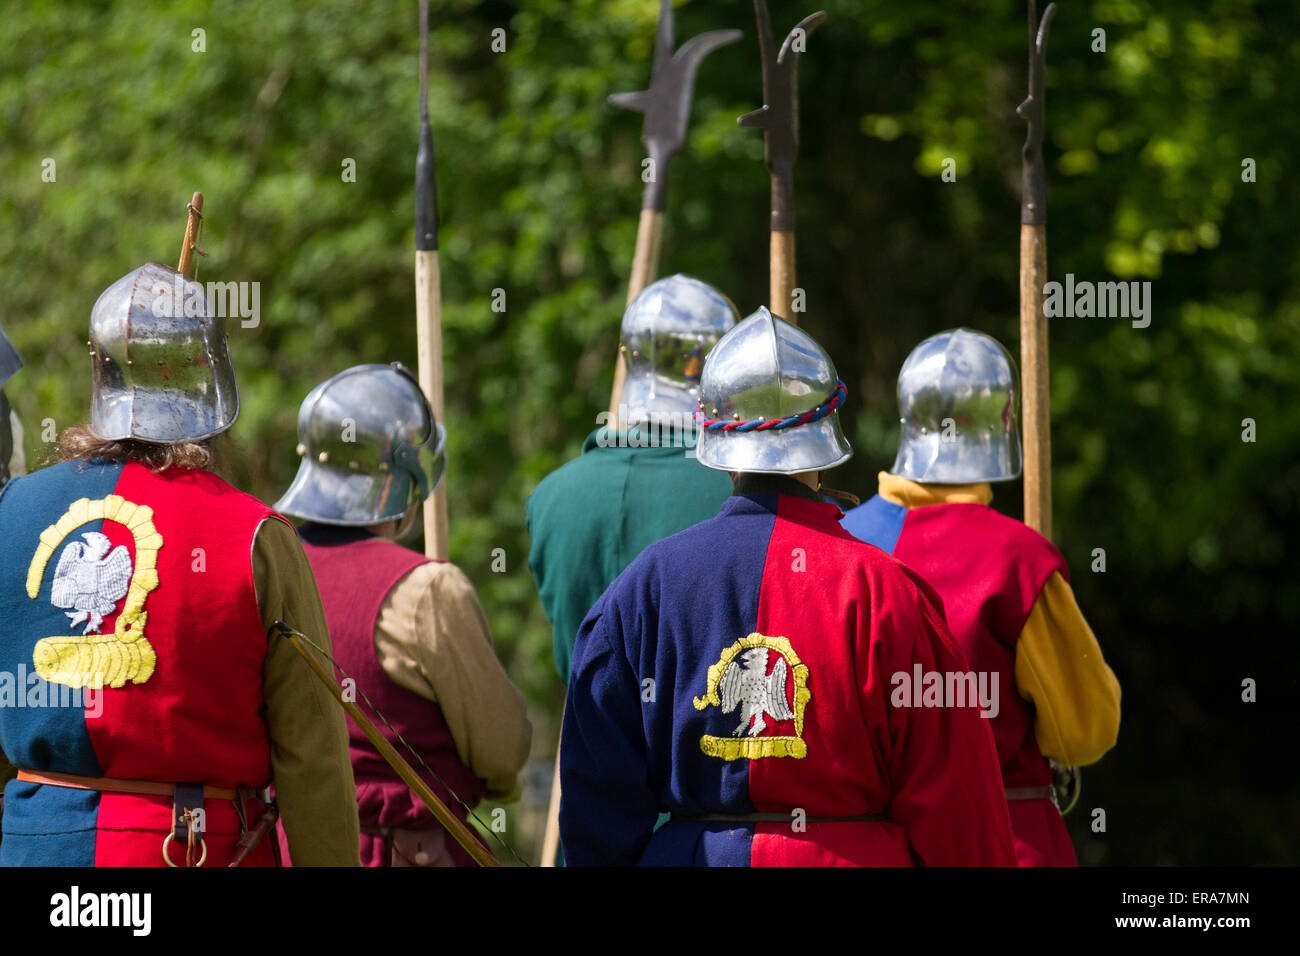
{"x":302,"y":449}
{"x":323,"y":457}
{"x":715,"y":411}
{"x":635,"y":353}
{"x":735,"y":416}
{"x":623,"y":349}
{"x":90,"y":343}
{"x":129,"y":362}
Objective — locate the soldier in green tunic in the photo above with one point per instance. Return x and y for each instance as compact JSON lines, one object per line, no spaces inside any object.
{"x":589,"y":518}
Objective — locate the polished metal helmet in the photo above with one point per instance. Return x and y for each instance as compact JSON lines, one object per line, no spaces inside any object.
{"x":667,"y":331}
{"x":769,"y":401}
{"x":161,"y":362}
{"x":370,"y":448}
{"x":957,"y":394}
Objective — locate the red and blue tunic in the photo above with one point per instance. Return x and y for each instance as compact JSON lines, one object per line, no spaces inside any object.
{"x":990,"y":570}
{"x":140,"y":585}
{"x":744,"y":667}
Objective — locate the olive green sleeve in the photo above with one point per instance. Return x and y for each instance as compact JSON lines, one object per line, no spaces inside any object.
{"x":309,"y":739}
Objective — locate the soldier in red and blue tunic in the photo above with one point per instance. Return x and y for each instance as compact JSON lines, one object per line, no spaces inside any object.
{"x":737,"y":675}
{"x":143,"y":702}
{"x":1005,"y":587}
{"x":407,"y":630}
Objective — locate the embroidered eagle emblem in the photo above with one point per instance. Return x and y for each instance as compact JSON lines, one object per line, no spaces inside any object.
{"x":91,"y":579}
{"x":740,"y":681}
{"x":747,"y":684}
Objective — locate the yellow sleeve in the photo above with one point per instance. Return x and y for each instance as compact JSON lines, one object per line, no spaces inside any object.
{"x":314,"y":786}
{"x":1059,"y":668}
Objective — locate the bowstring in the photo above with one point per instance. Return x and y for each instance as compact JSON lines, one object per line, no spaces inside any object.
{"x":402,"y":740}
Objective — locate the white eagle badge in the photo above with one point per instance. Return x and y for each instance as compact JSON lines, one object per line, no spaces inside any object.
{"x":740,"y":681}
{"x":747,"y":684}
{"x":91,"y":579}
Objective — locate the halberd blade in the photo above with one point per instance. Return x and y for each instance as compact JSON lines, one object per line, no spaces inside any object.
{"x":667,"y":103}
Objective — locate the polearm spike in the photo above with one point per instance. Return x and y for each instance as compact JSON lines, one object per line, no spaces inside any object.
{"x":428,"y":293}
{"x":779,"y":120}
{"x":667,"y":108}
{"x":1033,"y":276}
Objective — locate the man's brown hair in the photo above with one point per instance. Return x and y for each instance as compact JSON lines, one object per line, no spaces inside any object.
{"x":79,"y":442}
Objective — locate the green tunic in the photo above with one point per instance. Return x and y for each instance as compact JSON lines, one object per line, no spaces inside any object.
{"x":589,"y":518}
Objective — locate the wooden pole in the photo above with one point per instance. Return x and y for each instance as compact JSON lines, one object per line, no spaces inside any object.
{"x":428,"y":294}
{"x":551,"y":838}
{"x":428,"y":319}
{"x":459,"y":831}
{"x":1033,"y":276}
{"x":782,"y":281}
{"x":645,"y":265}
{"x":1035,"y":380}
{"x":191,"y":234}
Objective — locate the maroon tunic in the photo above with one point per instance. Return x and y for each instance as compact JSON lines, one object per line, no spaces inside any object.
{"x":355,"y":572}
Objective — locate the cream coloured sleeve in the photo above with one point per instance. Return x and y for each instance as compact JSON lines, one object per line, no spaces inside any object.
{"x":433,"y":639}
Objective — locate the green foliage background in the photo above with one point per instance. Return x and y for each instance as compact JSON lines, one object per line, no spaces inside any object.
{"x":539,"y":191}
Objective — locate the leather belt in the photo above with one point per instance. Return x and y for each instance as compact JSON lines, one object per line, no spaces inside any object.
{"x":778,"y":818}
{"x":1029,"y":793}
{"x":110,"y":785}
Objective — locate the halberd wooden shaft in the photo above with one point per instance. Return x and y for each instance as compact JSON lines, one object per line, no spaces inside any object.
{"x":191,"y":234}
{"x":782,"y":281}
{"x":645,"y":265}
{"x":551,"y":837}
{"x":449,"y":821}
{"x":1036,"y":413}
{"x":428,"y":318}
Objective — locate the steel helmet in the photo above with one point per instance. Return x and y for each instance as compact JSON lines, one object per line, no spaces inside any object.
{"x":769,"y":401}
{"x":667,"y":331}
{"x":370,"y":448}
{"x":160,"y":359}
{"x":958,"y":394}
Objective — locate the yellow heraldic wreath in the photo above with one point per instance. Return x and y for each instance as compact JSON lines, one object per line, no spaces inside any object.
{"x":99,"y":660}
{"x":729,"y":675}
